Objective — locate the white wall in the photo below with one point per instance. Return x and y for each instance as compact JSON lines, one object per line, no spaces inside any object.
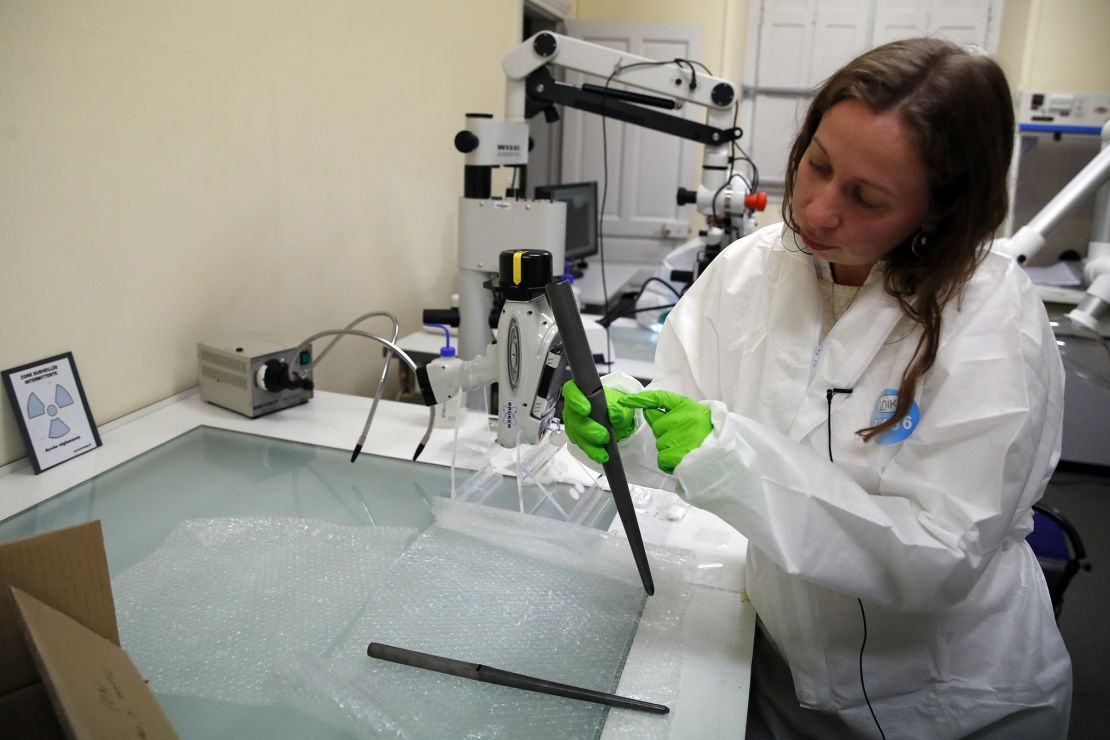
{"x":172,"y":170}
{"x":1056,"y":44}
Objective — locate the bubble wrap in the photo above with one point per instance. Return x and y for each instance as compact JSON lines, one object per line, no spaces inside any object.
{"x":295,"y":583}
{"x":525,"y":594}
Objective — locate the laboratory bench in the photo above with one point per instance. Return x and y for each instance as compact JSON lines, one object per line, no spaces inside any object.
{"x":193,"y":499}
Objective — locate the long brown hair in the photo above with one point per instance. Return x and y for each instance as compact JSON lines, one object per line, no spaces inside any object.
{"x":957,"y":105}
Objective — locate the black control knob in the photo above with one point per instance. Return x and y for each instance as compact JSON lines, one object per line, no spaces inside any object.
{"x":722,"y":94}
{"x":466,"y":142}
{"x":274,"y":377}
{"x":545,"y":45}
{"x":448,"y":316}
{"x":686,"y":197}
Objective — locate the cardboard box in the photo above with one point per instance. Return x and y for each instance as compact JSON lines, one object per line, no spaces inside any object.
{"x":64,"y":672}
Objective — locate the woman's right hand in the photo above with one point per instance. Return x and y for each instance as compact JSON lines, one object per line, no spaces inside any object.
{"x":590,"y":436}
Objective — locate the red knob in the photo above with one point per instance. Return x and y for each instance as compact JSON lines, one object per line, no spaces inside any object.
{"x":756,"y":201}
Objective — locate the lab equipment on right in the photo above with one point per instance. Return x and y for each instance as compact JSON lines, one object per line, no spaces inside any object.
{"x":1058,"y":190}
{"x":1059,"y":114}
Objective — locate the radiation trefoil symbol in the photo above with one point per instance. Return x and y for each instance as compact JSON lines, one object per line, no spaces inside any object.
{"x":36,"y":408}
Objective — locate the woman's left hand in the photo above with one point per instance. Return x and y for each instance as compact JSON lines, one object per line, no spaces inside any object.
{"x":680,"y":424}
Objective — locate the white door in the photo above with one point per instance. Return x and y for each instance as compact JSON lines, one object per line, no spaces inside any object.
{"x":796,"y":44}
{"x":642,"y":220}
{"x":961,"y":21}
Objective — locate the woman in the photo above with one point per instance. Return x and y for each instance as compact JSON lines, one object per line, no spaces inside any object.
{"x":874,"y":399}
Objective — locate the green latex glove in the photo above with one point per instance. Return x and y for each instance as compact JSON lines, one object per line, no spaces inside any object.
{"x":680,"y":424}
{"x":589,"y":435}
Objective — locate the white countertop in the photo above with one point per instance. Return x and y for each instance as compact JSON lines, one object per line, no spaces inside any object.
{"x":719,"y":625}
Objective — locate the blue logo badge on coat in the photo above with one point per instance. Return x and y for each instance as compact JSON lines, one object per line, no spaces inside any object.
{"x":884,"y":409}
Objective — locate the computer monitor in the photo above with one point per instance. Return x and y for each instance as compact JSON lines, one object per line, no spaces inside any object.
{"x":581,"y":200}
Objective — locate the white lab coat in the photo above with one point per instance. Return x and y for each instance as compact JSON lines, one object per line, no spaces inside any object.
{"x":928,"y":531}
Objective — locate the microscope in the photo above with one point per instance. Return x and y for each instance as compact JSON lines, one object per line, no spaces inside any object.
{"x":525,"y":360}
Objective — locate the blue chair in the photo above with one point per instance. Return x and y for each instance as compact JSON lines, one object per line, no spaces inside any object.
{"x":1058,"y":547}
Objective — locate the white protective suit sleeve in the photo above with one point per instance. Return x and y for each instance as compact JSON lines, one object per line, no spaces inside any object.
{"x":953,"y":493}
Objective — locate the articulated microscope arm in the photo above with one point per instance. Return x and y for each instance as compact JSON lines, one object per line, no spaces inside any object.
{"x":1030,"y":239}
{"x":671,"y":84}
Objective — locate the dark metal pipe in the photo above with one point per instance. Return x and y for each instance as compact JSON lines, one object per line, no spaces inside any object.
{"x":582,"y":368}
{"x":489,"y":674}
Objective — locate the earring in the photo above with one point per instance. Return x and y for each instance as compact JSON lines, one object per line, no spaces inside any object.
{"x":919,"y":243}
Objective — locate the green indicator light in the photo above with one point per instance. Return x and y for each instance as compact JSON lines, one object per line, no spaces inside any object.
{"x":306,"y":357}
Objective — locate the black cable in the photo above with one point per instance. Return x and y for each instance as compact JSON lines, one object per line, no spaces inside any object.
{"x":863,"y":617}
{"x":605,"y":185}
{"x":728,"y":177}
{"x":654,"y":308}
{"x":829,"y":393}
{"x":732,"y":160}
{"x":617,"y":311}
{"x":743,"y":179}
{"x":745,"y":157}
{"x":755,"y":170}
{"x":662,"y":282}
{"x":601,"y":211}
{"x":512,"y":185}
{"x":713,"y":202}
{"x":605,"y":170}
{"x":693,"y":72}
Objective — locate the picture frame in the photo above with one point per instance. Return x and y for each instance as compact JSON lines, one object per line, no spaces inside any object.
{"x":51,"y":411}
